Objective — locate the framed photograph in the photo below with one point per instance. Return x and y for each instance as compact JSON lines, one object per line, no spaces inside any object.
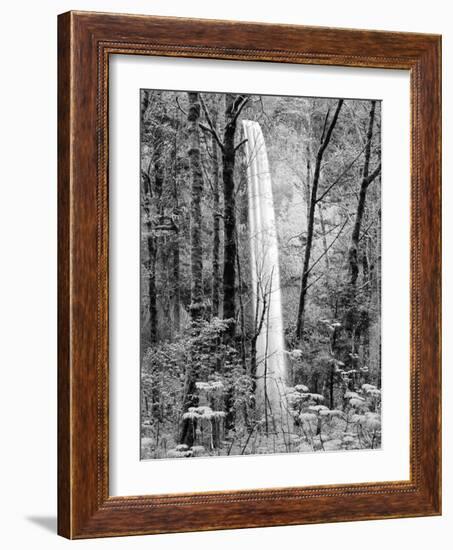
{"x":249,"y":275}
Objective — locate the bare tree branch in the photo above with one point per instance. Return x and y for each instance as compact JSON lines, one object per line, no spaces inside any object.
{"x":325,"y":125}
{"x":211,"y":128}
{"x":373,"y":175}
{"x":329,"y":247}
{"x":240,"y":144}
{"x":311,"y":220}
{"x":326,"y":140}
{"x":338,"y":179}
{"x":239,"y":109}
{"x":179,"y":106}
{"x":201,"y":125}
{"x":317,"y":279}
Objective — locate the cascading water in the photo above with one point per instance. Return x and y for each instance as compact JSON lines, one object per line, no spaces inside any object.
{"x":271,"y":364}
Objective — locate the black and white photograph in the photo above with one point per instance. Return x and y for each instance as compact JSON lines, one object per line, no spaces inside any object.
{"x":260,"y":274}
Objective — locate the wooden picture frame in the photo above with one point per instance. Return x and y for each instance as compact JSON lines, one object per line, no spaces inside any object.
{"x":85,"y":42}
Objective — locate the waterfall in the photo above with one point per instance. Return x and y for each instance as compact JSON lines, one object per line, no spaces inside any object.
{"x":271,"y":364}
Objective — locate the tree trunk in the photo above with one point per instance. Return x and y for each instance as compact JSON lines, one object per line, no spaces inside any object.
{"x":147,"y":199}
{"x":196,"y":257}
{"x":154,"y":242}
{"x":241,"y":314}
{"x":216,"y":225}
{"x":152,"y":252}
{"x":311,"y":220}
{"x":175,"y":254}
{"x":354,"y":247}
{"x":357,"y":320}
{"x":176,"y":284}
{"x":190,"y":398}
{"x":229,"y":257}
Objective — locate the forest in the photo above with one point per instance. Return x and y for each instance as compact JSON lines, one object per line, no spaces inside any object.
{"x":260,"y":274}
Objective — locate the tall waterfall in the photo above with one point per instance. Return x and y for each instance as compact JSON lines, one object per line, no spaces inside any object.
{"x":271,"y":365}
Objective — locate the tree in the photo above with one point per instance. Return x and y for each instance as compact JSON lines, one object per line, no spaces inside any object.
{"x":155,"y":168}
{"x":216,"y":278}
{"x":324,"y":142}
{"x":234,"y":105}
{"x":367,"y":179}
{"x":196,"y":253}
{"x":357,"y":318}
{"x":196,"y":258}
{"x":152,"y":252}
{"x":175,"y":253}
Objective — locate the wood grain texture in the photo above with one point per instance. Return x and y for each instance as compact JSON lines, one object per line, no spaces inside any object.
{"x":64,"y":369}
{"x":85,"y":42}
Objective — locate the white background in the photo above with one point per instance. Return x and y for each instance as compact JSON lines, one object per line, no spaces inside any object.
{"x":129,"y":476}
{"x":28,"y":272}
